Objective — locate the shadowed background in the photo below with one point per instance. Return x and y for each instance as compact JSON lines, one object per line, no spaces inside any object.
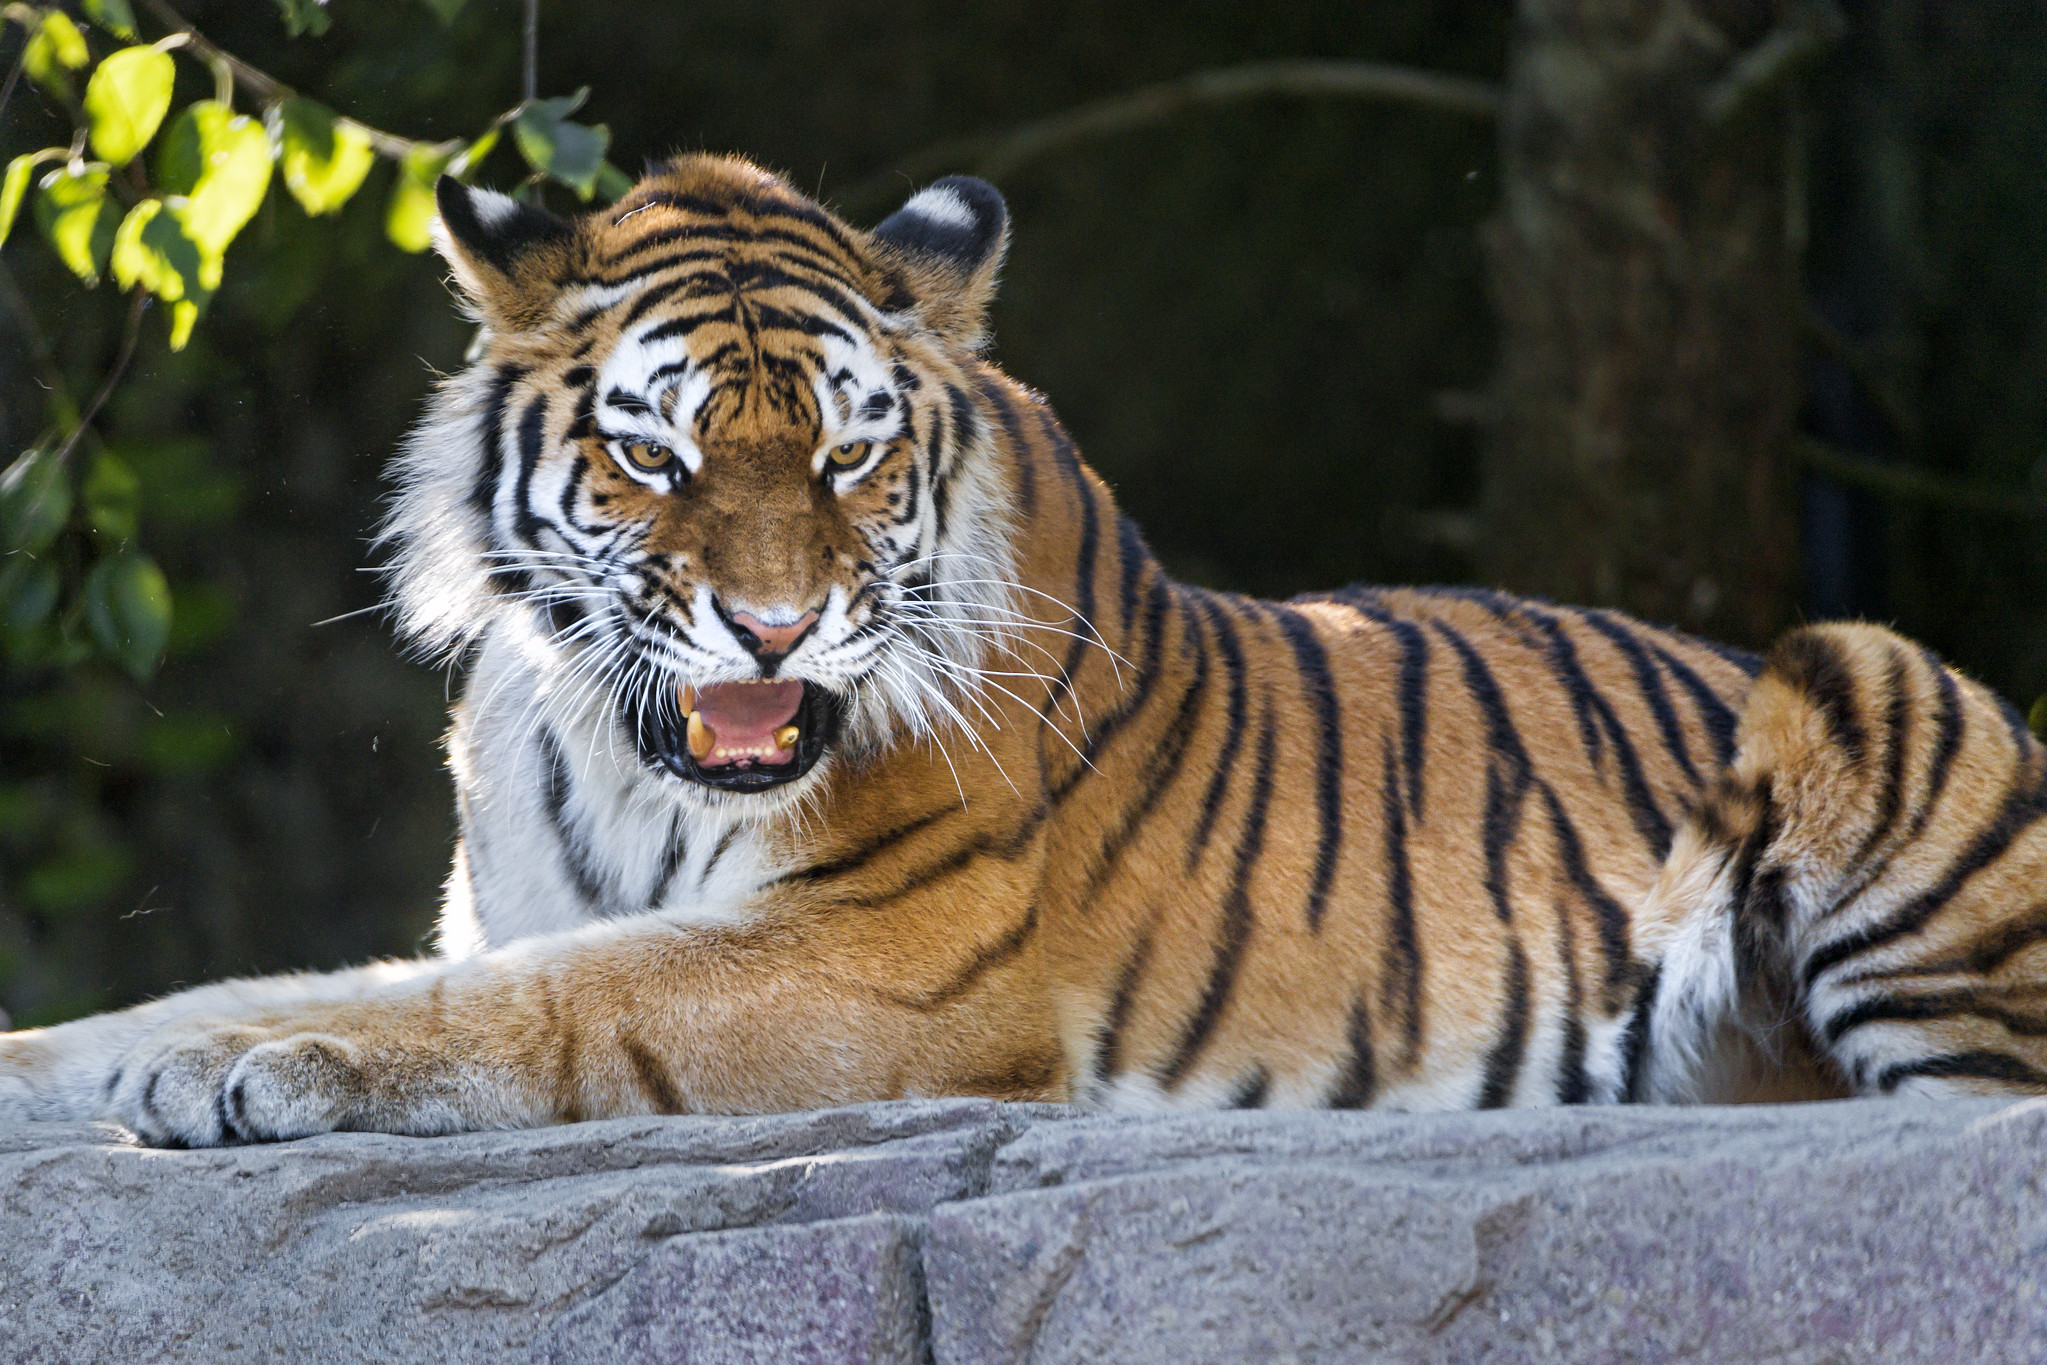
{"x":1268,"y":323}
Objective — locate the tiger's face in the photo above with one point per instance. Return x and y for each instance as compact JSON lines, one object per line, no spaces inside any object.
{"x":720,"y":448}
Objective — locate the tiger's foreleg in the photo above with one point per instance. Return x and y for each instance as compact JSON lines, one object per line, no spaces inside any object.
{"x":60,"y":1073}
{"x":1864,"y":891}
{"x":632,"y":1017}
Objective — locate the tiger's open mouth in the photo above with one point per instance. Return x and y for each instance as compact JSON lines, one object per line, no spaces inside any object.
{"x":742,"y":736}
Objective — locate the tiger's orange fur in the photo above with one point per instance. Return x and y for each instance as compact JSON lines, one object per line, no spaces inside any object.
{"x":1408,"y":848}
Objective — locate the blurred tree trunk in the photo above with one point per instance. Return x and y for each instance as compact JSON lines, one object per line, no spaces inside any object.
{"x":1645,"y":279}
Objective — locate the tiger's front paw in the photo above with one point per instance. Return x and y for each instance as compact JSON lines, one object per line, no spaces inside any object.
{"x":213,"y":1085}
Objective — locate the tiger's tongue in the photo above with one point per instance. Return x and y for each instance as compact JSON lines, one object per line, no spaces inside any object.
{"x":743,"y":718}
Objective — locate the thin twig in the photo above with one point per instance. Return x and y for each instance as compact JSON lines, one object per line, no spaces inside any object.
{"x":266,"y":88}
{"x":996,"y":155}
{"x":14,"y":72}
{"x":530,"y":88}
{"x":1807,"y":31}
{"x":1916,"y":485}
{"x":38,"y":342}
{"x":136,"y":309}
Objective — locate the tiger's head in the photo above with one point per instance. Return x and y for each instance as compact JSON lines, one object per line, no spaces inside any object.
{"x":719,"y":455}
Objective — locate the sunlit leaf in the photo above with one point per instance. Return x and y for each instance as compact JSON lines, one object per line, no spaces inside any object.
{"x":112,"y":497}
{"x":410,"y":215}
{"x":13,"y":190}
{"x":128,"y":609}
{"x":569,"y":152}
{"x":219,"y":161}
{"x":136,"y":262}
{"x":113,"y":15}
{"x":469,"y":158}
{"x":28,"y":593}
{"x":75,"y":214}
{"x":35,"y":502}
{"x":304,"y":16}
{"x":54,"y":49}
{"x":126,"y":99}
{"x":324,"y":158}
{"x":184,"y":317}
{"x":612,"y":182}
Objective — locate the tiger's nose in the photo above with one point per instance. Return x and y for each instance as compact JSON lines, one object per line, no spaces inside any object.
{"x":757,"y":637}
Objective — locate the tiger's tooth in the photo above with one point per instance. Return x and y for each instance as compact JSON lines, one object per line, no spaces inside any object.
{"x":785,"y":738}
{"x":689,"y":699}
{"x":702,"y":738}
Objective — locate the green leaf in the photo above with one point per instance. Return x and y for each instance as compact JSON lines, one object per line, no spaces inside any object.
{"x":128,"y":609}
{"x":153,"y":250}
{"x":324,"y":158}
{"x":54,"y":49}
{"x":219,"y":162}
{"x":445,"y":10}
{"x":13,"y":190}
{"x":112,"y":15}
{"x":35,"y":502}
{"x":612,"y":183}
{"x":469,"y":158}
{"x":409,"y":217}
{"x":570,"y":152}
{"x":28,"y":594}
{"x":112,"y":498}
{"x":304,"y":16}
{"x":126,"y":99}
{"x":75,"y":214}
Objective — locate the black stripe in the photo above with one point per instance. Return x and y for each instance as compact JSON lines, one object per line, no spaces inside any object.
{"x":1635,"y":1040}
{"x":1650,"y":823}
{"x":1237,"y":916}
{"x":1019,"y":453}
{"x":1980,"y":1065}
{"x":1897,"y":722}
{"x":1573,"y":1082}
{"x":1413,"y":687}
{"x":1131,"y":550}
{"x":483,"y":494}
{"x":1252,"y":1091}
{"x":651,"y":1075}
{"x":554,"y":799}
{"x":984,"y":960}
{"x":672,"y":860}
{"x":1814,"y":665}
{"x":1162,"y":764}
{"x":861,"y":856}
{"x":1503,"y":1063}
{"x":1400,"y":982}
{"x":1233,"y":737}
{"x":1359,"y":1080}
{"x":1319,"y":688}
{"x":1979,"y":958}
{"x":1103,"y":728}
{"x":1649,"y":683}
{"x":1611,"y":916}
{"x":2023,"y":806}
{"x":1109,"y":1046}
{"x":531,"y":437}
{"x":718,"y":851}
{"x":1084,"y":562}
{"x":1714,"y":713}
{"x":1506,"y":791}
{"x":1932,"y":1005}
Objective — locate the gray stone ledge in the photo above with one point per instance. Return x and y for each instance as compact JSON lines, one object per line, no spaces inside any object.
{"x":968,"y":1231}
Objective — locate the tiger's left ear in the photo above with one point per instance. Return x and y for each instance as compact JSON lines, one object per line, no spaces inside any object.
{"x":943,"y":250}
{"x":506,"y":255}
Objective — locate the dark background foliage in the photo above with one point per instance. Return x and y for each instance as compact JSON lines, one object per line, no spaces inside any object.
{"x":1248,"y":316}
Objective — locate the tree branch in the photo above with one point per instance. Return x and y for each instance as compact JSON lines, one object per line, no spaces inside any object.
{"x":1915,"y":485}
{"x":1807,"y":31}
{"x":997,"y":155}
{"x":129,"y":337}
{"x":266,"y":88}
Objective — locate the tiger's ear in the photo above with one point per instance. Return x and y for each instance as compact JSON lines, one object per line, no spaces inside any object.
{"x":943,"y":250}
{"x":502,"y":251}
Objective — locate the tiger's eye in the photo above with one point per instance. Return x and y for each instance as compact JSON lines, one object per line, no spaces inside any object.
{"x":646,"y":455}
{"x":849,"y":455}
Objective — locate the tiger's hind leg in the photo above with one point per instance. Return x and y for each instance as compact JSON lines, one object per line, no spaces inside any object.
{"x":1861,"y":897}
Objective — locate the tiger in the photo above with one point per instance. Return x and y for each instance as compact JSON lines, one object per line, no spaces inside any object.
{"x":829,"y":737}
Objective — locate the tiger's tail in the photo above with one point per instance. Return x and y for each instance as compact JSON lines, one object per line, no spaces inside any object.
{"x":1862,"y":894}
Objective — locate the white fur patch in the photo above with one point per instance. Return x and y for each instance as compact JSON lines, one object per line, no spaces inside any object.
{"x":942,"y":206}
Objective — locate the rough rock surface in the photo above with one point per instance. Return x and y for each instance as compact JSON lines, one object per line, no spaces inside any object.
{"x":971,"y":1231}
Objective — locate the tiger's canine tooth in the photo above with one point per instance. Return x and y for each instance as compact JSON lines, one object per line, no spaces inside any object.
{"x":702,"y":738}
{"x":689,"y":699}
{"x":785,"y":738}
